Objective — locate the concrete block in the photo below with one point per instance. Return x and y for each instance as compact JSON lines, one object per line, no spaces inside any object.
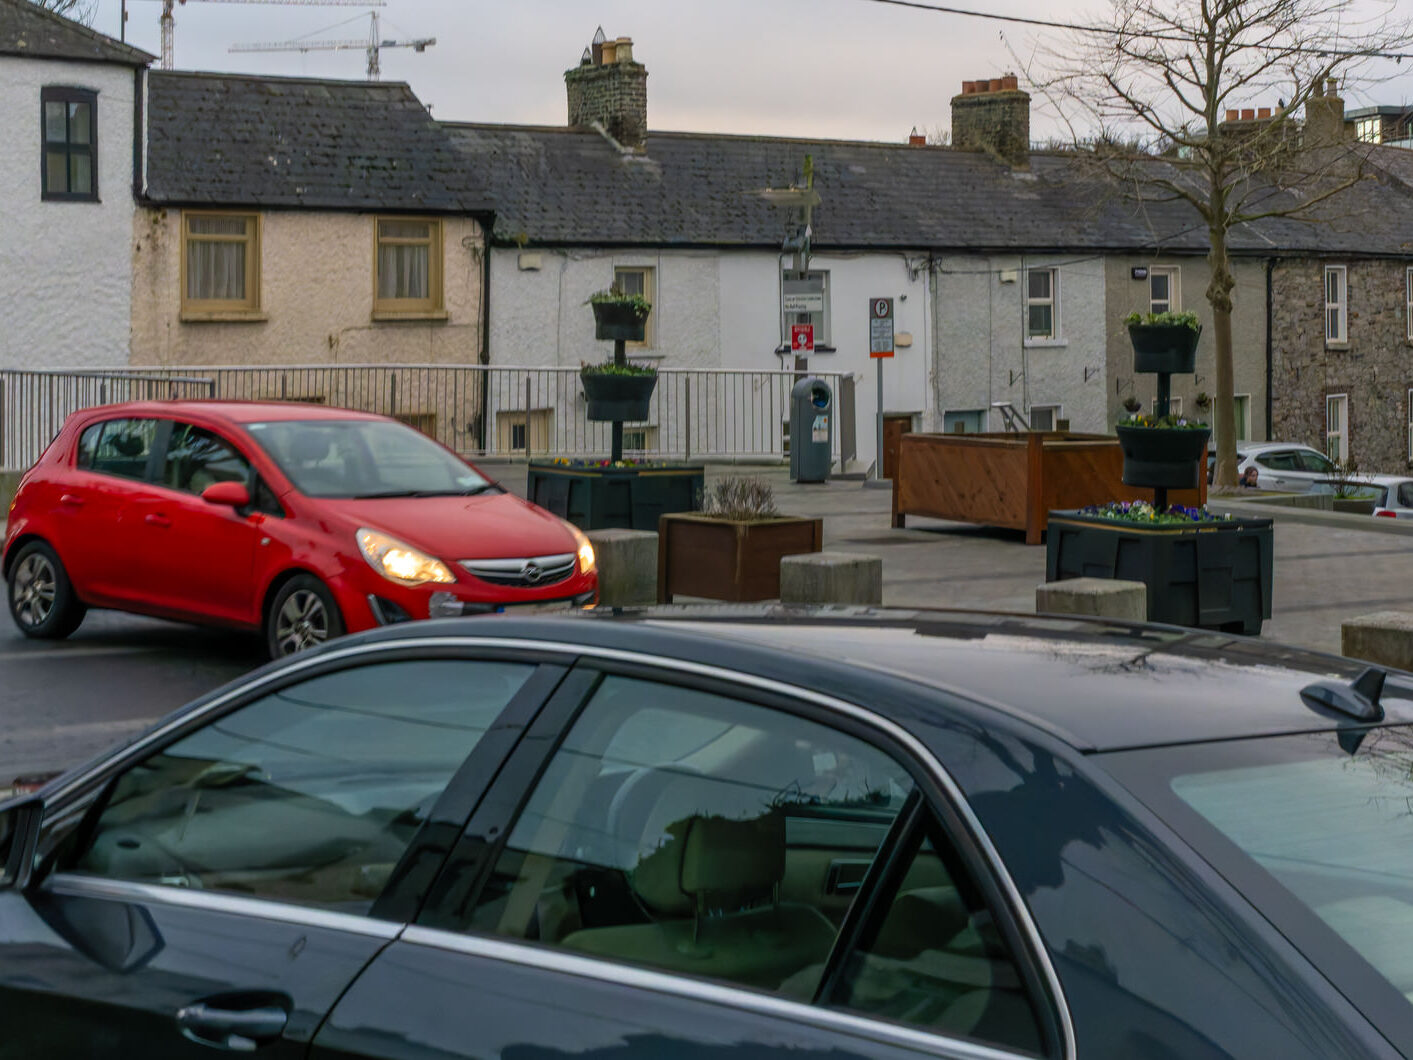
{"x":831,"y":578}
{"x":1101,"y":597}
{"x":627,"y":566}
{"x":1384,"y":637}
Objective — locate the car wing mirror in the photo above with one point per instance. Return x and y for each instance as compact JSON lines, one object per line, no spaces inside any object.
{"x":231,"y":494}
{"x":19,"y":836}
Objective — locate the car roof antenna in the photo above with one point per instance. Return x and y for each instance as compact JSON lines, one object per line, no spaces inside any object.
{"x":1359,"y":699}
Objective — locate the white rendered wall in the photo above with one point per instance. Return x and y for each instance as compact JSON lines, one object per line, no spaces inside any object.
{"x":982,"y":355}
{"x":718,"y":309}
{"x":65,"y":267}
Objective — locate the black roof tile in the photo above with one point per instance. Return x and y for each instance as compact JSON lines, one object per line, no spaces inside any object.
{"x":231,"y":140}
{"x":29,"y":30}
{"x":570,"y":186}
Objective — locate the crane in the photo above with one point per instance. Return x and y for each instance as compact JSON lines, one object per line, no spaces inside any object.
{"x":373,"y":45}
{"x":169,"y":23}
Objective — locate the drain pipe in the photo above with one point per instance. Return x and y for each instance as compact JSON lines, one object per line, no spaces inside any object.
{"x":1270,"y":372}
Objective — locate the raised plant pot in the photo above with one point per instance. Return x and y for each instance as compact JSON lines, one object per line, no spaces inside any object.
{"x":1170,"y":348}
{"x":1206,"y":575}
{"x":1163,"y":457}
{"x":618,"y":321}
{"x":722,"y":559}
{"x":602,"y":498}
{"x":618,"y":398}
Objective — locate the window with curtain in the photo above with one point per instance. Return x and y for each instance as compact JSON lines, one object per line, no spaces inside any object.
{"x":638,"y":280}
{"x":69,"y":152}
{"x":220,"y":262}
{"x":408,"y":266}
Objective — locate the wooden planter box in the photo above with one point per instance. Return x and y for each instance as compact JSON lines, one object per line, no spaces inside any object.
{"x":1207,"y":575}
{"x":1013,"y":480}
{"x":602,"y":498}
{"x":698,"y":555}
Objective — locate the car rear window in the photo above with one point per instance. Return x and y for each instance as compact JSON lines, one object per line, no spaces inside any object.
{"x":1316,"y":831}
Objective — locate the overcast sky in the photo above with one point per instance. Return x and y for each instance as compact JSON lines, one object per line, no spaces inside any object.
{"x":849,"y":69}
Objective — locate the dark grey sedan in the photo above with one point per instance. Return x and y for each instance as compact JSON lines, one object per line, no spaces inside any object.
{"x":746,"y":833}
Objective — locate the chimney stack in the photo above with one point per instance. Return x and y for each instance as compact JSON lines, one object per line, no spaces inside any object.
{"x":916,"y":139}
{"x":993,"y":116}
{"x":611,"y":89}
{"x":1324,"y":116}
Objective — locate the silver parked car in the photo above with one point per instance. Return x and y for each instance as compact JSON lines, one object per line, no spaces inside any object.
{"x":1286,"y":466}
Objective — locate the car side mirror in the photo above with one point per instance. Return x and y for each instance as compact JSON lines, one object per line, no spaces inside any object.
{"x":231,"y":494}
{"x":19,"y":835}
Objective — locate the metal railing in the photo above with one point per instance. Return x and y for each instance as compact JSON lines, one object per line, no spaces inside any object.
{"x":478,"y":410}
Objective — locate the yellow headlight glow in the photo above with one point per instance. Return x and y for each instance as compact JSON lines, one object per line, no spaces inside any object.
{"x":400,"y":562}
{"x":587,"y":562}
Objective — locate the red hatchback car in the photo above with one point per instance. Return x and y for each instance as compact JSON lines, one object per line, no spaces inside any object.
{"x":300,"y":521}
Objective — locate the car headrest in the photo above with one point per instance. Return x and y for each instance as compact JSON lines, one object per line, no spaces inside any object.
{"x":308,"y":447}
{"x":127,"y":444}
{"x":710,"y":862}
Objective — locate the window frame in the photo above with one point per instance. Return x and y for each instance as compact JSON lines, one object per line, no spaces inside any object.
{"x":1056,"y":411}
{"x":980,"y":413}
{"x":224,"y":309}
{"x":649,"y":275}
{"x":1056,"y":336}
{"x":433,"y":307}
{"x":1341,"y":433}
{"x":68,"y":94}
{"x":1340,"y":306}
{"x":1410,"y":425}
{"x":1174,"y":299}
{"x":1408,"y":305}
{"x":488,"y":832}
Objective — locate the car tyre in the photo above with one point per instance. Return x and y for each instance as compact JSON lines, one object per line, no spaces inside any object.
{"x":42,"y":599}
{"x":302,"y":615}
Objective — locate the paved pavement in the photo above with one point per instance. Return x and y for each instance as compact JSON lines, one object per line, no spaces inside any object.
{"x":1328,"y":567}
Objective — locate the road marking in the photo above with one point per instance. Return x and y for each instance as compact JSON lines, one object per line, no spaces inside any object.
{"x":74,"y":653}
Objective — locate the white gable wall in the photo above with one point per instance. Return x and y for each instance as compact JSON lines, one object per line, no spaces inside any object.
{"x":65,"y":267}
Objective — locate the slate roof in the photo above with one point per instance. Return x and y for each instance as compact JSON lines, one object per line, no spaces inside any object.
{"x":232,"y":140}
{"x":570,"y":187}
{"x":29,"y":30}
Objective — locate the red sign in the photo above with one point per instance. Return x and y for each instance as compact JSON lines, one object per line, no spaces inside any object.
{"x":802,"y":338}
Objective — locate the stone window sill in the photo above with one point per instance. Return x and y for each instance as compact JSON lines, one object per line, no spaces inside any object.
{"x":224,"y":316}
{"x":1042,"y":344}
{"x":1337,"y":346}
{"x":424,"y":315}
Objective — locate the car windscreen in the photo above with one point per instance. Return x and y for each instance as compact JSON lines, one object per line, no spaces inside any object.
{"x":1316,"y":831}
{"x":364,"y":458}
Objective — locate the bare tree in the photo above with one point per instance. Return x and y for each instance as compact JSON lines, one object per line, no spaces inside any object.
{"x":78,"y":10}
{"x":1168,"y":70}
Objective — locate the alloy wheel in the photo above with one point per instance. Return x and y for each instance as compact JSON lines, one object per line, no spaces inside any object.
{"x":302,"y":622}
{"x":33,"y":590}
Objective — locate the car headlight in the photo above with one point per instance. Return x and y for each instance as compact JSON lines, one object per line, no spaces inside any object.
{"x":587,"y":563}
{"x":399,"y":562}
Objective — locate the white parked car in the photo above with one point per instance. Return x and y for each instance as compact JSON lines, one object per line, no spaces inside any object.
{"x":1286,"y":466}
{"x":1392,"y":494}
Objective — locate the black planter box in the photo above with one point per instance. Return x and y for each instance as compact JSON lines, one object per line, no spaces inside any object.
{"x":618,"y":320}
{"x":618,"y":398}
{"x":1208,"y":575}
{"x":1166,"y":457}
{"x":628,"y":498}
{"x":1168,"y":348}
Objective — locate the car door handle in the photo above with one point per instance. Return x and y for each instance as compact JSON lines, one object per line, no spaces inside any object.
{"x":158,"y":520}
{"x":239,"y":1029}
{"x":73,"y":500}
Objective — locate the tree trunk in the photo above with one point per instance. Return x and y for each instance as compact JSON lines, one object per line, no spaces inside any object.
{"x":1224,"y":403}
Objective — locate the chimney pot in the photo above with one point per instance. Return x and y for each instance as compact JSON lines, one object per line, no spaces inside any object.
{"x":1263,"y":113}
{"x":596,"y":48}
{"x":625,"y":49}
{"x":1248,"y":114}
{"x":997,"y":84}
{"x":916,"y":139}
{"x":1331,"y":86}
{"x":1233,"y":115}
{"x":610,"y":52}
{"x":1010,"y":82}
{"x":968,"y":87}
